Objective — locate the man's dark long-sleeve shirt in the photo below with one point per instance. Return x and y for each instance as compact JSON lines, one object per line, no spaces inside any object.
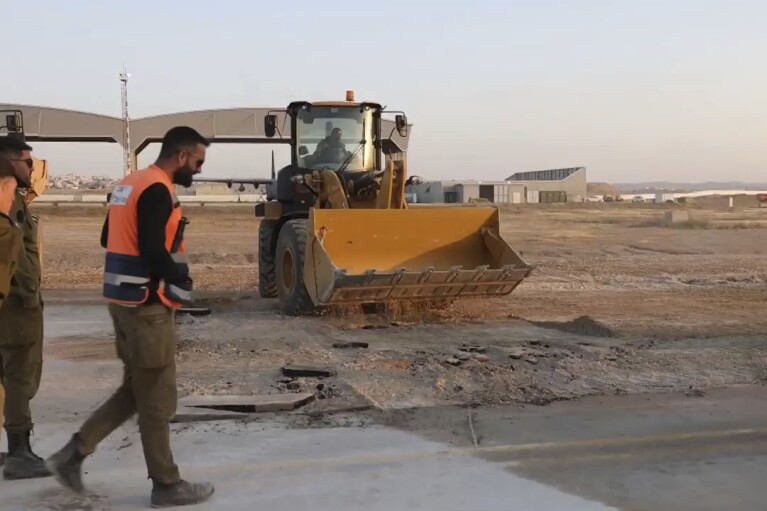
{"x":153,"y":209}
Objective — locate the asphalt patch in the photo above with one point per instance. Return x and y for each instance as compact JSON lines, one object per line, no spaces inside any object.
{"x":584,"y":325}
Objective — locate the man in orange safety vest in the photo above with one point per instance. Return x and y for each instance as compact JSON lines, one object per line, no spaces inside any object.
{"x":146,"y":279}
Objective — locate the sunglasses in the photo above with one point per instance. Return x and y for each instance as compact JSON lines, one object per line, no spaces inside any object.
{"x":28,"y":161}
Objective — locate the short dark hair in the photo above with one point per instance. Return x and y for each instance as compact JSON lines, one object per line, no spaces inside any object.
{"x":12,"y":144}
{"x":179,"y":137}
{"x":6,"y":168}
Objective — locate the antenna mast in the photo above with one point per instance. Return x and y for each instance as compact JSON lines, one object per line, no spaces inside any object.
{"x":126,"y":121}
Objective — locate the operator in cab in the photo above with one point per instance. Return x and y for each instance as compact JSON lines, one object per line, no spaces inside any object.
{"x":331,"y":149}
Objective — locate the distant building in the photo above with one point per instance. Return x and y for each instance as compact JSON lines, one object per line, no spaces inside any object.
{"x":556,"y":185}
{"x":499,"y":192}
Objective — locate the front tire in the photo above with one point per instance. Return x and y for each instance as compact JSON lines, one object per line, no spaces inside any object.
{"x":291,"y":249}
{"x":267,"y":273}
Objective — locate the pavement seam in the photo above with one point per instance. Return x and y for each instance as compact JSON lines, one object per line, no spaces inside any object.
{"x":469,"y":451}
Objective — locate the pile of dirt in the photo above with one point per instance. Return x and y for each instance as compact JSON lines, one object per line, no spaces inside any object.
{"x":390,"y":313}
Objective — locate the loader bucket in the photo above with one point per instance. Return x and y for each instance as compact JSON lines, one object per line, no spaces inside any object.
{"x":380,"y":255}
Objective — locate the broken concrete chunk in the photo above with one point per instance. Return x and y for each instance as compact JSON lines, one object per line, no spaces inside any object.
{"x":481,"y":358}
{"x":352,"y":344}
{"x":328,"y":391}
{"x":695,"y":392}
{"x":375,"y":327}
{"x":462,"y":355}
{"x":453,"y":361}
{"x":517,"y":353}
{"x":306,"y":371}
{"x":531,"y":360}
{"x":473,"y":349}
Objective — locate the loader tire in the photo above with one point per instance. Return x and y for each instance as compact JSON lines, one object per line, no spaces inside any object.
{"x":267,"y":272}
{"x":291,"y":248}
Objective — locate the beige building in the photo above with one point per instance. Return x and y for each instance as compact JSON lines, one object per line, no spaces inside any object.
{"x":556,"y":185}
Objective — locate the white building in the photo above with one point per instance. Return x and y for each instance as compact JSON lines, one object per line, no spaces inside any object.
{"x":556,"y":185}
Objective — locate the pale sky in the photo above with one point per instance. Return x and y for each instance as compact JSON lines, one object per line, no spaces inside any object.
{"x":634,"y":90}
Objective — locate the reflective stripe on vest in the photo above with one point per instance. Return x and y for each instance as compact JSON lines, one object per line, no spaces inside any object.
{"x":127,"y":279}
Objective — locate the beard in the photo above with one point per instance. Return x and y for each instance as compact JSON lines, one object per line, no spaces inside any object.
{"x":22,"y":184}
{"x":183,"y":176}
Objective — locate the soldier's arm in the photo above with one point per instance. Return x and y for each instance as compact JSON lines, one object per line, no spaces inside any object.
{"x":153,"y":210}
{"x":26,"y":279}
{"x":105,"y":232}
{"x":10,"y":248}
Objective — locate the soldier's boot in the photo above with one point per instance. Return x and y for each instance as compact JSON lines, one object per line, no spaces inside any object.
{"x":66,"y":466}
{"x":181,"y":493}
{"x":21,"y":462}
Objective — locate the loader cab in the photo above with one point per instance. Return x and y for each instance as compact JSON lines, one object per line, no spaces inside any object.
{"x":335,"y":136}
{"x":338,"y":136}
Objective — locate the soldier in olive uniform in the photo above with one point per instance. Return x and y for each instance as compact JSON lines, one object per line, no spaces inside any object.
{"x":21,"y":328}
{"x":10,"y":234}
{"x":10,"y":244}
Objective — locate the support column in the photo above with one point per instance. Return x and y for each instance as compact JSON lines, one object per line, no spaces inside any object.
{"x":134,"y":161}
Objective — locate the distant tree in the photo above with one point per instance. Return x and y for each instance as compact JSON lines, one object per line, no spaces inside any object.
{"x":601,"y":189}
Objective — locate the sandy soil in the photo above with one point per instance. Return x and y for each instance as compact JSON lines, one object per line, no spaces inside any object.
{"x":611,"y":307}
{"x":615,"y":263}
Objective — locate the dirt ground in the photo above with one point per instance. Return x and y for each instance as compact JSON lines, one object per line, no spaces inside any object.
{"x":618,"y":302}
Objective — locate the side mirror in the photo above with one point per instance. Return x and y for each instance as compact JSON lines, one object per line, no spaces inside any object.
{"x":12,"y":122}
{"x":303,"y":151}
{"x":414,"y":180}
{"x":270,"y":125}
{"x":401,"y":124}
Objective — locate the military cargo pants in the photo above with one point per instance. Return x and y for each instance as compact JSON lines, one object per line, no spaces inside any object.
{"x":21,"y":362}
{"x":145,"y":338}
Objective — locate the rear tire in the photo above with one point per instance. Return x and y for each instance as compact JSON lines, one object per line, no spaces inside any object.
{"x":291,"y":248}
{"x":267,"y":273}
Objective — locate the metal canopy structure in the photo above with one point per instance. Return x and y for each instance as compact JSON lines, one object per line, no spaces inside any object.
{"x":233,"y":125}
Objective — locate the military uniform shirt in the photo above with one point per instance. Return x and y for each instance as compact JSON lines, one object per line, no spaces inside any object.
{"x":10,"y":249}
{"x":27,"y":279}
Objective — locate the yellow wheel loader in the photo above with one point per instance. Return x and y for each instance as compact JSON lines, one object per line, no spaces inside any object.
{"x":336,"y":228}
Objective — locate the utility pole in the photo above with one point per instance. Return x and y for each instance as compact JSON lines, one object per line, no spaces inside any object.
{"x":126,"y":121}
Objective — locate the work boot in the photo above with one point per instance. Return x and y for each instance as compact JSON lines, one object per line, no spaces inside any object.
{"x":21,"y":462}
{"x":181,"y":493}
{"x":2,"y":458}
{"x":66,"y":466}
